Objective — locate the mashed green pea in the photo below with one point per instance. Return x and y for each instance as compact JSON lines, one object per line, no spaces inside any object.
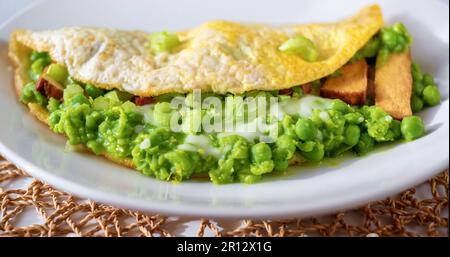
{"x":306,"y":130}
{"x":378,"y":123}
{"x":235,"y":160}
{"x":53,"y":105}
{"x":29,"y":94}
{"x":155,"y":154}
{"x":38,"y":60}
{"x":365,"y":144}
{"x":316,"y":154}
{"x":285,"y":147}
{"x":412,"y":128}
{"x":370,"y":50}
{"x":109,"y":123}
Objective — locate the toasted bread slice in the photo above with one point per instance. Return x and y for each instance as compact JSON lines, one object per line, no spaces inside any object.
{"x":350,"y":86}
{"x":393,"y":85}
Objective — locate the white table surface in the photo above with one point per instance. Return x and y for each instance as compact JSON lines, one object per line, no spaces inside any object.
{"x":8,"y":8}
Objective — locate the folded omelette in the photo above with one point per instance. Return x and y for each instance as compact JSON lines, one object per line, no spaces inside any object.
{"x":217,"y":56}
{"x":108,"y":91}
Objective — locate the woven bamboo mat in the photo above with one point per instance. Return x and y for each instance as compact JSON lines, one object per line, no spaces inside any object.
{"x":407,"y":214}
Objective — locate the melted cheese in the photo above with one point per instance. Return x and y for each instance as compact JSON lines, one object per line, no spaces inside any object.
{"x":199,"y":143}
{"x":303,"y":106}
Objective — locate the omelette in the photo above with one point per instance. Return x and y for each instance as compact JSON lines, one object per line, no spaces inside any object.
{"x":218,"y":56}
{"x":109,"y":91}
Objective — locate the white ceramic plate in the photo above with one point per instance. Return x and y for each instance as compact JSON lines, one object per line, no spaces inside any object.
{"x":307,"y":191}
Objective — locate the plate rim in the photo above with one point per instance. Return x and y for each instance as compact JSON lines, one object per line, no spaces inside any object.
{"x":180,"y":209}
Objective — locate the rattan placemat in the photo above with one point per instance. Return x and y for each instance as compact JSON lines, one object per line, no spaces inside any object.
{"x":406,"y":214}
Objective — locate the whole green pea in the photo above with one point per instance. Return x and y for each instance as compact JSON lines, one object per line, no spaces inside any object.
{"x":416,"y":68}
{"x":307,"y":146}
{"x":417,"y":76}
{"x":280,"y":159}
{"x":306,"y":130}
{"x":261,"y":152}
{"x":352,"y":134}
{"x":365,"y":145}
{"x":316,"y":154}
{"x":416,"y":104}
{"x":428,"y":80}
{"x":37,"y":67}
{"x":389,"y":38}
{"x":418,"y":87}
{"x":431,"y":95}
{"x":395,"y":129}
{"x":287,"y":143}
{"x":339,"y":105}
{"x":37,"y":55}
{"x":94,"y":92}
{"x":412,"y":128}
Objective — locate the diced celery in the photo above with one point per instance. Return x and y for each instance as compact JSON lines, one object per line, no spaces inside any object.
{"x":72,"y":90}
{"x":163,"y":42}
{"x":113,"y":96}
{"x":301,"y":46}
{"x":101,"y":103}
{"x":58,"y":73}
{"x":119,"y":96}
{"x":128,"y":106}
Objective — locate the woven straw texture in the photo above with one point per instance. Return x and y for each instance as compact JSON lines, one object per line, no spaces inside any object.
{"x":406,"y":214}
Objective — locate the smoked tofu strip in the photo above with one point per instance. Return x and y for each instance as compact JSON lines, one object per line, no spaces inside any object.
{"x":393,"y":85}
{"x":350,"y":86}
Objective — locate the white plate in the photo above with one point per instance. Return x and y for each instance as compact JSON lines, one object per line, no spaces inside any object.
{"x":307,"y":191}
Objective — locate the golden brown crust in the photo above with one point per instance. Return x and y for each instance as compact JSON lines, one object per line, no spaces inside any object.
{"x":350,"y":86}
{"x":393,"y":85}
{"x":18,"y":54}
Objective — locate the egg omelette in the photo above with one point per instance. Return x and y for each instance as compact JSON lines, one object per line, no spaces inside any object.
{"x":218,"y":56}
